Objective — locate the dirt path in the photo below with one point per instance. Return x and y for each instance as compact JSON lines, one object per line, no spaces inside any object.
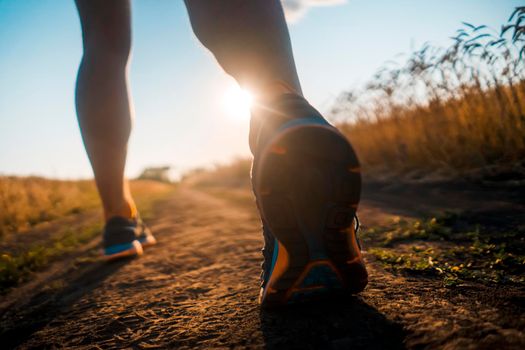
{"x":199,"y":288}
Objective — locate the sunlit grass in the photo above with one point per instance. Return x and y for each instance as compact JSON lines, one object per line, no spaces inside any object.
{"x":28,"y":201}
{"x":31,"y":201}
{"x":449,"y":110}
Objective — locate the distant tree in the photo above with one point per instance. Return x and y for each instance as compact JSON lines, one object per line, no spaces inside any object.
{"x":156,"y":173}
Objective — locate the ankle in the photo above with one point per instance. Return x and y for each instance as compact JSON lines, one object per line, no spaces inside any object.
{"x":275,"y":89}
{"x":126,"y":210}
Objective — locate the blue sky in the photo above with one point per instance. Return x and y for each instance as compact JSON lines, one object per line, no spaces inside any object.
{"x":176,"y":84}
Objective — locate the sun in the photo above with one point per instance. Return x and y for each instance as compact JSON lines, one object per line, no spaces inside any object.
{"x":237,"y":102}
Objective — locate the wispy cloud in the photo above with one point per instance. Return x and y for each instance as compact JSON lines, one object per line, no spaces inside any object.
{"x":295,"y":9}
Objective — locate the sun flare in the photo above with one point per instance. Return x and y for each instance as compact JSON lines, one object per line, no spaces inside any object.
{"x":237,"y":103}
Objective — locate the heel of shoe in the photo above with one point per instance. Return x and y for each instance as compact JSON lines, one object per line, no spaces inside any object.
{"x":308,"y":187}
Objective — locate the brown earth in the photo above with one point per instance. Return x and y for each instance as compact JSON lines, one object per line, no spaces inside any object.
{"x":198,"y":288}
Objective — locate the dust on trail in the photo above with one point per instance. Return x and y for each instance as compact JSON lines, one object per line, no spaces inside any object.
{"x":198,"y":288}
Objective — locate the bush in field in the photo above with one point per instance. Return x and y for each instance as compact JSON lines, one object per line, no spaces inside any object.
{"x":156,"y":173}
{"x":235,"y":175}
{"x":456,"y":109}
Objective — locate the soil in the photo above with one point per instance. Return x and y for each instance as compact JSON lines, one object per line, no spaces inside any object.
{"x":198,"y":288}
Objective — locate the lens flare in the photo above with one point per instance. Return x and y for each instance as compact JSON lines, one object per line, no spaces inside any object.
{"x":237,"y":103}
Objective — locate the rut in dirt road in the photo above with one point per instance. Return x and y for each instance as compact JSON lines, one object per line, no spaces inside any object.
{"x":198,"y":288}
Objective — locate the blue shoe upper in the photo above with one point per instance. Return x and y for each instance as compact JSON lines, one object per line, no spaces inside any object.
{"x":120,"y":233}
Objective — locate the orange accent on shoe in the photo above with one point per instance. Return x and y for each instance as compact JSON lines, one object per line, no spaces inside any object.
{"x":278,"y":150}
{"x":306,"y":270}
{"x":281,"y":265}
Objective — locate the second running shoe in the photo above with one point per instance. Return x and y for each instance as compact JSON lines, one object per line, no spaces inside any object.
{"x":124,"y":237}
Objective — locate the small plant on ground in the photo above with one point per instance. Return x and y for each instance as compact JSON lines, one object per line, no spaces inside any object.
{"x":454,"y":247}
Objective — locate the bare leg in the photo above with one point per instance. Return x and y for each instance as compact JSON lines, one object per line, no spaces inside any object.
{"x":250,"y":40}
{"x":102,"y":101}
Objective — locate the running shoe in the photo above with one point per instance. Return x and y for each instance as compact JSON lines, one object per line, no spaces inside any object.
{"x":307,"y":183}
{"x":124,"y":237}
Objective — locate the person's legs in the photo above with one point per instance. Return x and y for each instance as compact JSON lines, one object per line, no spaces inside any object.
{"x":102,"y":100}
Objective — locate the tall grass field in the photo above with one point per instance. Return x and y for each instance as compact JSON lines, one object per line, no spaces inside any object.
{"x":451,"y":110}
{"x":445,"y":113}
{"x":28,"y":201}
{"x":30,"y":204}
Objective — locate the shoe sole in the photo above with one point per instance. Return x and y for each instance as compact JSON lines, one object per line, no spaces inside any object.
{"x":308,"y":186}
{"x":135,"y":250}
{"x":149,"y":241}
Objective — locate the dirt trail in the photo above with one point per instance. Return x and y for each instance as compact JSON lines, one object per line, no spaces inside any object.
{"x":198,"y":288}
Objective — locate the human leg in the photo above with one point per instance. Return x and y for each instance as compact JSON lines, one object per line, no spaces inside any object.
{"x":102,"y":101}
{"x":105,"y":116}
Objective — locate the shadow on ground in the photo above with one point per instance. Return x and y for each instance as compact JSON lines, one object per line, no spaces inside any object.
{"x":423,"y":198}
{"x":341,"y":323}
{"x":48,"y":304}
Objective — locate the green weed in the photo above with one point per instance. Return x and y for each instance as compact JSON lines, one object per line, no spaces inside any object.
{"x":467,"y":253}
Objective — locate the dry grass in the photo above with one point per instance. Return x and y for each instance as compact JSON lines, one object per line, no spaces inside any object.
{"x":27,"y":201}
{"x":452,"y":110}
{"x":444,"y":113}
